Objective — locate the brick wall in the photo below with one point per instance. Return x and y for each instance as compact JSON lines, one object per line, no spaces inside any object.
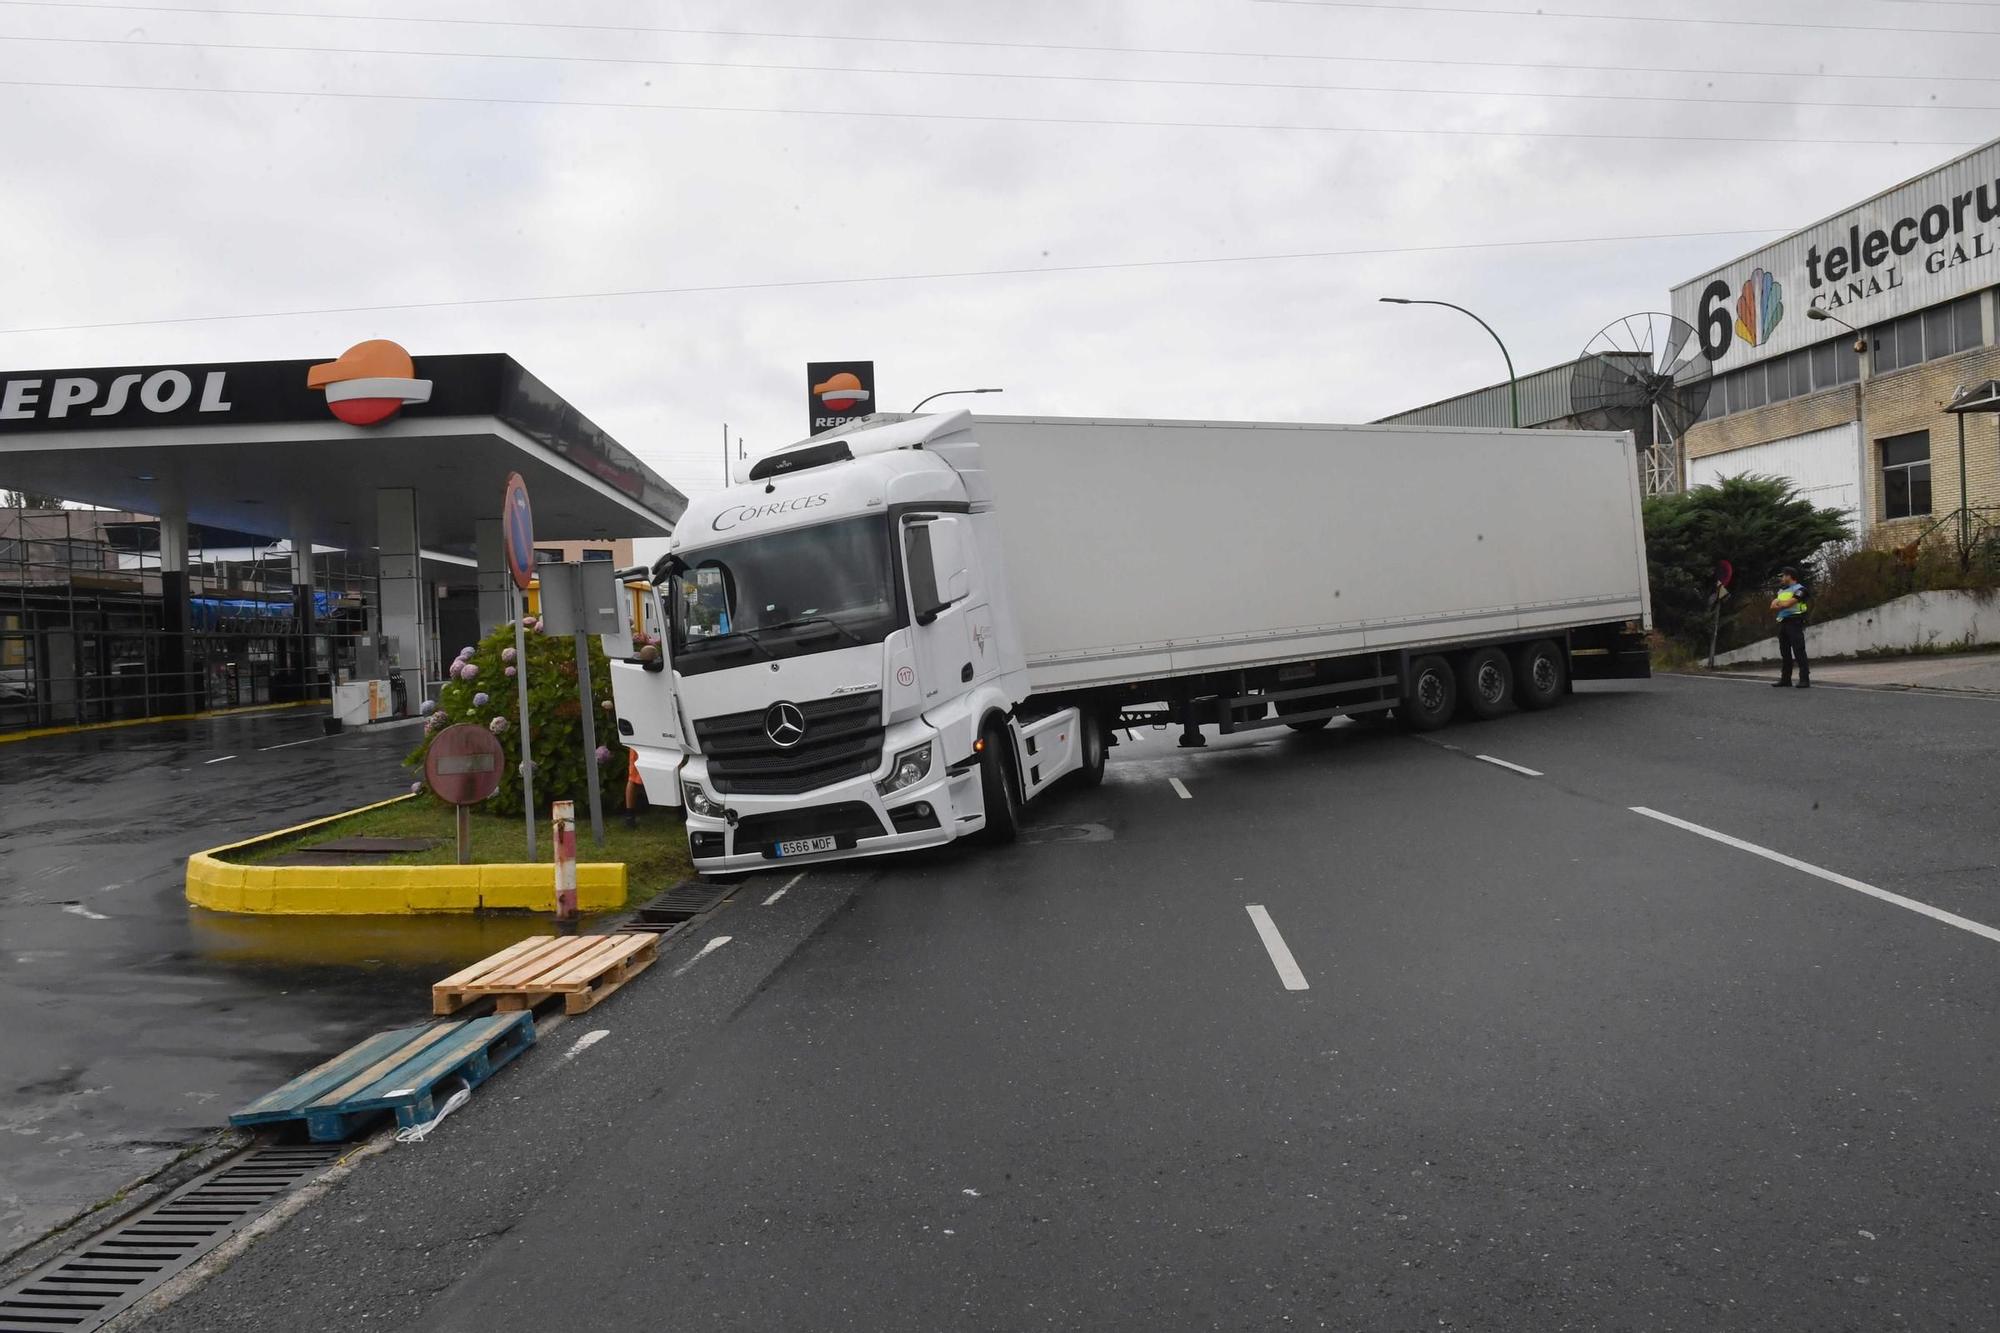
{"x":1892,"y":404}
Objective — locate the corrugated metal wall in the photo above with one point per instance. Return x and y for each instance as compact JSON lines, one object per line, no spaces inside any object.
{"x":1544,"y":398}
{"x":1824,"y":464}
{"x":1544,"y":402}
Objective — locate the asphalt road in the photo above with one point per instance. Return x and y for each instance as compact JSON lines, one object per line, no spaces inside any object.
{"x":132,"y":1024}
{"x":1555,"y":1064}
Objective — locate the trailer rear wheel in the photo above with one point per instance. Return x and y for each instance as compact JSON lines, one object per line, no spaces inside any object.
{"x":1539,"y":675}
{"x":1486,"y":682}
{"x":997,"y":785}
{"x":1433,"y":694}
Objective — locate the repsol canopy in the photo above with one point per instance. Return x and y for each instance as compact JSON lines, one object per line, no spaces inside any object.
{"x":276,"y":446}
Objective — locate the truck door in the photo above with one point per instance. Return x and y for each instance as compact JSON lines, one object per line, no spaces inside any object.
{"x":648,"y":717}
{"x":935,"y":554}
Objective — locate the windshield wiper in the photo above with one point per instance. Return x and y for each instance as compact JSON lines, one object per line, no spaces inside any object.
{"x":833,"y":625}
{"x":722,"y":643}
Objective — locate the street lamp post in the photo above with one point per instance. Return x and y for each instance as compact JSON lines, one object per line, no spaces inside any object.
{"x":946,"y":393}
{"x":1513,"y":386}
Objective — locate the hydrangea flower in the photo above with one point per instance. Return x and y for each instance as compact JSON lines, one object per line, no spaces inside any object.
{"x":424,"y":708}
{"x":479,"y":700}
{"x":510,"y":672}
{"x":506,"y":654}
{"x":416,"y":788}
{"x":497,"y":725}
{"x":603,"y":754}
{"x":470,"y":671}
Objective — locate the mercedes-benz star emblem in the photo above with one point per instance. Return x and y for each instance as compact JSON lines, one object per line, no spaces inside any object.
{"x":785,"y":725}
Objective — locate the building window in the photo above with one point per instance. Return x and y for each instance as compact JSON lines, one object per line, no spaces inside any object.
{"x":597,"y":555}
{"x":1906,"y":475}
{"x":1927,"y":335}
{"x":545,"y":556}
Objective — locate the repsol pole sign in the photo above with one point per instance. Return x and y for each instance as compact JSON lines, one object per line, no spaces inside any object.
{"x":1924,"y":242}
{"x":838,"y":392}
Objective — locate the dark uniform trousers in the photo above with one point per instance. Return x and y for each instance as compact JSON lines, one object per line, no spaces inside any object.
{"x":1792,"y":648}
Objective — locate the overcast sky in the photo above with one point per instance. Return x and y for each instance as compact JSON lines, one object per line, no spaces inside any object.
{"x":124,"y":205}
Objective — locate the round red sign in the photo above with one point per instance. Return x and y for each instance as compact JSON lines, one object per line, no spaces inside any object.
{"x":463,"y":764}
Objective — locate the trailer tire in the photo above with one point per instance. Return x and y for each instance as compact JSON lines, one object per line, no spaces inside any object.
{"x":1308,"y":727}
{"x":1090,"y":745}
{"x":1432,"y":696}
{"x":1540,"y":675}
{"x":996,"y":783}
{"x":1485,"y":683}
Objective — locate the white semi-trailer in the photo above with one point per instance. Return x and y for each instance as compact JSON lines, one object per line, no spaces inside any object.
{"x":899,"y":634}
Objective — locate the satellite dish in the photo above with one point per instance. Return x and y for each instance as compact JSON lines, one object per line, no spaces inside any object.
{"x":1644,"y":369}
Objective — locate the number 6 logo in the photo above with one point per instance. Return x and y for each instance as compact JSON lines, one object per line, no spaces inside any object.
{"x":1717,"y":332}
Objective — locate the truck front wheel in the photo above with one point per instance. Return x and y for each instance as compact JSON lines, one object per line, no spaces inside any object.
{"x":997,"y":785}
{"x":1090,"y":742}
{"x":1432,"y":695}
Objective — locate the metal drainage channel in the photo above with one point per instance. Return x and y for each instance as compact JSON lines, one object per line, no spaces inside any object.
{"x":86,"y":1287}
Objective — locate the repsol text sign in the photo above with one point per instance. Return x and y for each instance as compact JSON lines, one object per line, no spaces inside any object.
{"x":158,"y":393}
{"x":1926,"y":241}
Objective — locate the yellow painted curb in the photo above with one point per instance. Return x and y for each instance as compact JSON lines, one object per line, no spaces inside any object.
{"x":388,"y":890}
{"x":77,"y":728}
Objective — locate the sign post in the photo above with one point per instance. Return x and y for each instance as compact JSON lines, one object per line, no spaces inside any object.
{"x":463,"y":767}
{"x":518,"y":525}
{"x":570,"y":605}
{"x":564,"y":820}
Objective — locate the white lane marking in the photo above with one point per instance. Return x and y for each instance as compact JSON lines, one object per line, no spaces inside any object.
{"x":1533,"y":773}
{"x":310,"y":740}
{"x":1180,"y":787}
{"x":585,"y":1042}
{"x":1274,"y":944}
{"x":1806,"y":867}
{"x":78,"y":909}
{"x":787,"y":889}
{"x":218,"y":761}
{"x":706,"y":950}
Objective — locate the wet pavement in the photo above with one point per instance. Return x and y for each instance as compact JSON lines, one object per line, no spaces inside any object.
{"x":134,"y":1023}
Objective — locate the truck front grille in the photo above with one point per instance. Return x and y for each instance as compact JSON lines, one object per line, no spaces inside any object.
{"x":843,"y":739}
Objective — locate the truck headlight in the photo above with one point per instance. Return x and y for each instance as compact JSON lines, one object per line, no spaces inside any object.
{"x":911,"y":767}
{"x":697,"y":801}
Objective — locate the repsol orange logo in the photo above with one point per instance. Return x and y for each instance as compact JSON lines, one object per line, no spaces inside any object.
{"x":369,"y":382}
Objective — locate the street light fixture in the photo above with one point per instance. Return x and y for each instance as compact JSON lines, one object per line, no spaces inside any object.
{"x":1513,"y":386}
{"x":946,"y":393}
{"x":1860,"y":338}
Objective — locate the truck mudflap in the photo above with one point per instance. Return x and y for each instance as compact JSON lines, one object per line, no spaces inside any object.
{"x":1610,"y":652}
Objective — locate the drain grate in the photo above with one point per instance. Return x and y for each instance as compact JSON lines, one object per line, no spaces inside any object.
{"x":678,"y":905}
{"x":85,"y":1287}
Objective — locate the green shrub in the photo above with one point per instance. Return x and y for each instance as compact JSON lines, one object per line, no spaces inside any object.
{"x":1758,"y":524}
{"x":555,"y":715}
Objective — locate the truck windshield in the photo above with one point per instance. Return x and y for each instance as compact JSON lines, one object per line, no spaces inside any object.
{"x":787,"y":593}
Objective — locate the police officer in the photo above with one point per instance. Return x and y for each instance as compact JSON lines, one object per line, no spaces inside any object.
{"x":1790,"y":604}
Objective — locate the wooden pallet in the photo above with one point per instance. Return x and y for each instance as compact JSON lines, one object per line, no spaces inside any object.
{"x":399,"y":1071}
{"x":582,"y":969}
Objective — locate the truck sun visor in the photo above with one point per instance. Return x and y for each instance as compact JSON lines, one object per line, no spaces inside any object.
{"x":798,"y":460}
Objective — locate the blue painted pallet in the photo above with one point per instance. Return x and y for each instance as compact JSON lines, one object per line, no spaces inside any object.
{"x":397,"y":1071}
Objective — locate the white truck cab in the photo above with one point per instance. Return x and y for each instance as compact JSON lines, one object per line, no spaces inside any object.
{"x":839,"y":657}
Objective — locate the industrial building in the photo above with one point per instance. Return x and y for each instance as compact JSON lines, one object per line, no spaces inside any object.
{"x":1838,"y":351}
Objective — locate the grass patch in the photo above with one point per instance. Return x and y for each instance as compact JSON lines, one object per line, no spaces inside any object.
{"x":654,"y":852}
